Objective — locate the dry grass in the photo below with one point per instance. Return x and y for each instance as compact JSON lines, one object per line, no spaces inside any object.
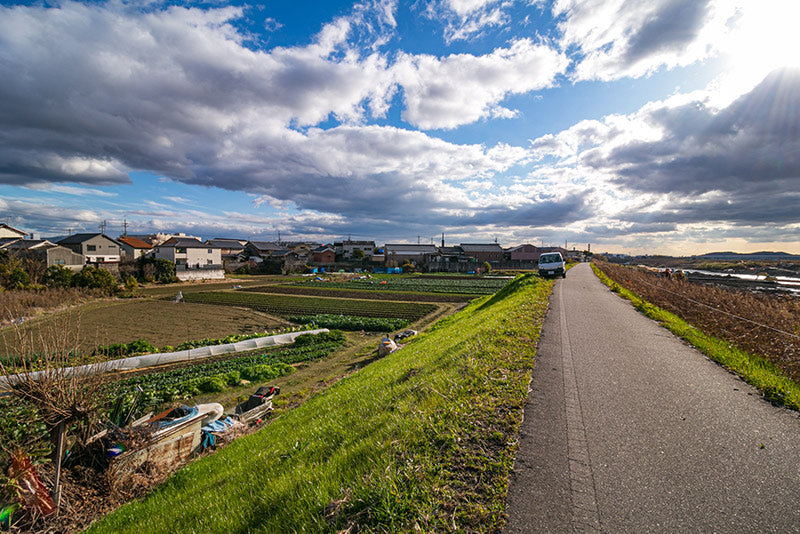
{"x":26,"y":304}
{"x":767,"y":325}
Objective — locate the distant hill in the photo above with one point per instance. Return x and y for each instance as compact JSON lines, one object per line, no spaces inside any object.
{"x":735,"y":256}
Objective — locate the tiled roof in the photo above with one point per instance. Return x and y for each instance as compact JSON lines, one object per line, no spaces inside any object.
{"x":481,"y":247}
{"x":78,"y":238}
{"x":134,"y":242}
{"x":185,"y":242}
{"x":4,"y":225}
{"x":267,"y":245}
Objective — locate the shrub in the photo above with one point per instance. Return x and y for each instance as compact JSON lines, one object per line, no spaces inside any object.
{"x":95,"y":278}
{"x":57,"y":276}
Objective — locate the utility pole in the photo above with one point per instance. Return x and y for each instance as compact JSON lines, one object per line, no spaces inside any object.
{"x":418,"y":240}
{"x":125,"y":227}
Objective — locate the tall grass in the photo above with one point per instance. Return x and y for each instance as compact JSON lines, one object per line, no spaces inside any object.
{"x":767,"y":325}
{"x":15,"y":305}
{"x":422,"y":439}
{"x":756,"y":370}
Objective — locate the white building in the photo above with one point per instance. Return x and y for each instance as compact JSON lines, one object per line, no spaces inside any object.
{"x":193,"y":259}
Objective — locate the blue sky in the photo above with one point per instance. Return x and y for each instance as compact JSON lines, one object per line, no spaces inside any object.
{"x":652,"y":126}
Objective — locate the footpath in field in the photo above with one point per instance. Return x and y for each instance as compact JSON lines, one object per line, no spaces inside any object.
{"x":422,"y":439}
{"x":629,"y":430}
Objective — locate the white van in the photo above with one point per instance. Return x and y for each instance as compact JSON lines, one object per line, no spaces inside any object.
{"x":552,"y":264}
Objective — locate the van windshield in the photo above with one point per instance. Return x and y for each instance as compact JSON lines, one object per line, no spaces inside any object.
{"x":549,"y":258}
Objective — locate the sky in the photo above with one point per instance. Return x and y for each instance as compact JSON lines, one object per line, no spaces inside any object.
{"x":636,"y":126}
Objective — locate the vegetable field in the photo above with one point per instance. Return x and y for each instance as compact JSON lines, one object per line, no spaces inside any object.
{"x":476,"y":286}
{"x":367,"y":294}
{"x":216,"y":376}
{"x":351,"y":322}
{"x":286,"y":305}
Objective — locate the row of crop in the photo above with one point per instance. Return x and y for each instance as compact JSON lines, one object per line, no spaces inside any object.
{"x":141,"y":346}
{"x":478,"y":286}
{"x":189,"y":381}
{"x":351,"y":322}
{"x":291,"y":305}
{"x":324,"y":290}
{"x":19,"y":424}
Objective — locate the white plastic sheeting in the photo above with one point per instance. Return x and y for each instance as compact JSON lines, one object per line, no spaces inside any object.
{"x":151,"y":360}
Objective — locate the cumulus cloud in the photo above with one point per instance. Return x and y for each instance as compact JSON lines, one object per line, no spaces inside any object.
{"x":468,"y":19}
{"x":620,"y":38}
{"x":92,"y":92}
{"x":463,"y":88}
{"x":682,"y":161}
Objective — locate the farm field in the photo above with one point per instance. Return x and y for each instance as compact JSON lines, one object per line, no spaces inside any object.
{"x":294,"y":305}
{"x":365,"y":294}
{"x":430,"y":284}
{"x":423,"y":437}
{"x":160,"y":322}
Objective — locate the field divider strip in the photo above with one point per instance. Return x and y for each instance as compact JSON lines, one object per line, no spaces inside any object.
{"x":150,"y":360}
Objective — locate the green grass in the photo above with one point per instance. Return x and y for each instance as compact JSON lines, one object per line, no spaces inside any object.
{"x":424,"y":437}
{"x":756,"y":370}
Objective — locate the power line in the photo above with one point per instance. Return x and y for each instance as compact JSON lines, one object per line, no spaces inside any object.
{"x":722,"y":311}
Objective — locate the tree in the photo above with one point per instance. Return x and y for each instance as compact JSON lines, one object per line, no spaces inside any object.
{"x":408,"y":267}
{"x":359,"y":254}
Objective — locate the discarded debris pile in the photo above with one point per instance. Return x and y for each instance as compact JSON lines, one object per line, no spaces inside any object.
{"x":120,"y":463}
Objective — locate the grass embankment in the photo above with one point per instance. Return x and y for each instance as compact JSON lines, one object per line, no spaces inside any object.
{"x":756,"y":370}
{"x":423,"y":438}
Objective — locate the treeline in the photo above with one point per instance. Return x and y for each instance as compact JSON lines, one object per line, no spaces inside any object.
{"x":21,"y":273}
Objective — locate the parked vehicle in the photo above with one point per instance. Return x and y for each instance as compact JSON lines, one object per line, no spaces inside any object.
{"x":552,"y":264}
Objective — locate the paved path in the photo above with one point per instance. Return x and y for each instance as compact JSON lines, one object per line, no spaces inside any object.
{"x":627,"y":429}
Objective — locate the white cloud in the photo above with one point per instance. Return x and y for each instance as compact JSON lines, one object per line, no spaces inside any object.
{"x":462,"y":88}
{"x":468,"y":19}
{"x":631,"y":38}
{"x":682,"y":161}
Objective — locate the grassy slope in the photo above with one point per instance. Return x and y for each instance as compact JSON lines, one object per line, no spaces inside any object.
{"x":754,"y":369}
{"x":425,"y":437}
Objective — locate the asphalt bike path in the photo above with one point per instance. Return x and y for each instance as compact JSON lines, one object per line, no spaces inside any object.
{"x":628,"y":429}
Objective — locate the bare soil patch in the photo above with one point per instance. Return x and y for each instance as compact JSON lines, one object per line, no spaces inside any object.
{"x":160,"y":322}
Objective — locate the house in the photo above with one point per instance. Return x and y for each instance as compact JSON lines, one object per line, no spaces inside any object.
{"x":262,"y":249}
{"x":133,"y":247}
{"x":324,"y":254}
{"x":346,"y":250}
{"x":160,"y":237}
{"x":449,"y":259}
{"x":524,"y":252}
{"x":301,"y":247}
{"x":491,"y":252}
{"x":193,"y":259}
{"x":291,"y":261}
{"x":231,"y":250}
{"x":49,"y":253}
{"x":7,"y":231}
{"x":397,"y":253}
{"x":98,"y":249}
